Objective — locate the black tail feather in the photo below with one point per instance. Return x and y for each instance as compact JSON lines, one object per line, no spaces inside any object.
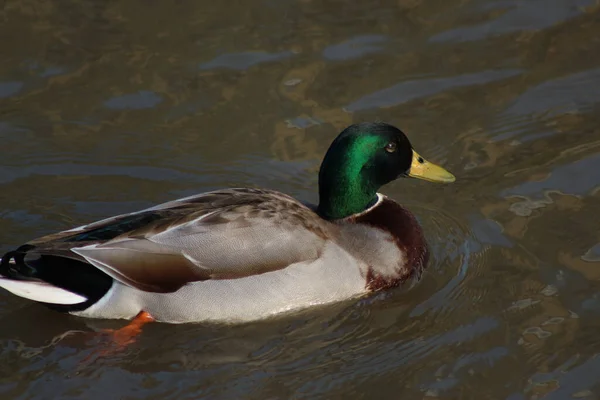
{"x":18,"y":269}
{"x":73,"y":275}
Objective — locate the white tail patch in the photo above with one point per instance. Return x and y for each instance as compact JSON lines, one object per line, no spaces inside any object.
{"x":41,"y":291}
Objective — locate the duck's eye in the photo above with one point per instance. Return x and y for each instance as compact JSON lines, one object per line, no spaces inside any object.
{"x":390,"y":147}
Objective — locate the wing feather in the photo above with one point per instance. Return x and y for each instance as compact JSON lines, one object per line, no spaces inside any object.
{"x":218,"y":235}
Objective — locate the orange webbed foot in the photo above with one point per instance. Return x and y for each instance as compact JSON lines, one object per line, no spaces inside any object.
{"x":120,"y":338}
{"x":128,"y":334}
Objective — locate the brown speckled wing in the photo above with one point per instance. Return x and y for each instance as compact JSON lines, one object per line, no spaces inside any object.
{"x":225,"y":234}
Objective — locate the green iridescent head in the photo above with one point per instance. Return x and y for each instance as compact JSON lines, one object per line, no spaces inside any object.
{"x":363,"y":158}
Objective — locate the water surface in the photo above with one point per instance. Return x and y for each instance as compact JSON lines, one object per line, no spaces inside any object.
{"x":108,"y":107}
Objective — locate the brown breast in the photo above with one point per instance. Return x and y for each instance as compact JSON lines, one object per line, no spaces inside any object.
{"x":408,"y":235}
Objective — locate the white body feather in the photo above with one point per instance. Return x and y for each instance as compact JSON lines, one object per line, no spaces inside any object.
{"x":244,"y":299}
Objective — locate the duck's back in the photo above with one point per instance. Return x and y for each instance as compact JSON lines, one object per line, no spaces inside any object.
{"x":214,"y":251}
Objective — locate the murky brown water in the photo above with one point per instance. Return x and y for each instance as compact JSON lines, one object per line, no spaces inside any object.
{"x":111,"y":106}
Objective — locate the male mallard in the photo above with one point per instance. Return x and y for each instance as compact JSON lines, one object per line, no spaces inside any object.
{"x":240,"y":254}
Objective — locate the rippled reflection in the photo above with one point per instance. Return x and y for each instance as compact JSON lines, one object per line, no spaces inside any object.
{"x":110,"y":107}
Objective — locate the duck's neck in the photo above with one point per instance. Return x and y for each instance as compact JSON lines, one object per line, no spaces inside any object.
{"x":344,"y":191}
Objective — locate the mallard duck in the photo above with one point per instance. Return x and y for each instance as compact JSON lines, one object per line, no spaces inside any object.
{"x":240,"y":254}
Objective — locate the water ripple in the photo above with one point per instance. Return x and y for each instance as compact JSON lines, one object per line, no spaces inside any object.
{"x":8,"y":89}
{"x":410,"y":90}
{"x":245,"y":60}
{"x":520,"y":15}
{"x":579,"y":177}
{"x":135,"y":101}
{"x":454,"y":244}
{"x":356,"y":47}
{"x":567,"y":94}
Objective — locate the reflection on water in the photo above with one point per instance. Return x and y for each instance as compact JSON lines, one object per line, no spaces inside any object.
{"x":7,"y":89}
{"x":135,"y":101}
{"x":354,"y":48}
{"x":415,"y":89}
{"x":242,"y":61}
{"x":565,"y":95}
{"x":109,"y":107}
{"x":515,"y":15}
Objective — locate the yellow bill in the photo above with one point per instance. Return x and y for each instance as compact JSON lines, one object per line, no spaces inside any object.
{"x":422,"y":169}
